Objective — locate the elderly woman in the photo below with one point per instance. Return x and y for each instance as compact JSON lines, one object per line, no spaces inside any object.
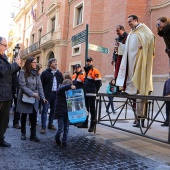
{"x":30,"y":86}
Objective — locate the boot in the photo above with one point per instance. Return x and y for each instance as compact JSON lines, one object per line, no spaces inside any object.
{"x":137,"y":124}
{"x":33,"y":136}
{"x":84,"y":124}
{"x":4,"y":144}
{"x":92,"y":126}
{"x":23,"y":137}
{"x":142,"y":123}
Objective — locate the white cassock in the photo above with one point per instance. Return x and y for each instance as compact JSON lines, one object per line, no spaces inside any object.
{"x":129,"y":51}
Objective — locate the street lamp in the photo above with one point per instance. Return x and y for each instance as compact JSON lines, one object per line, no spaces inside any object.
{"x":17,"y":48}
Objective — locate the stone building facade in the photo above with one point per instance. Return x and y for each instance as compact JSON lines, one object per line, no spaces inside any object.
{"x":45,"y":29}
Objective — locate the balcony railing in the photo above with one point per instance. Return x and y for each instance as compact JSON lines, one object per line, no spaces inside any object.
{"x":30,"y":49}
{"x":47,"y":39}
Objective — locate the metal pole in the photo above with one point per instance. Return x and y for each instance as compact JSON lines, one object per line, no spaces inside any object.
{"x":87,"y":42}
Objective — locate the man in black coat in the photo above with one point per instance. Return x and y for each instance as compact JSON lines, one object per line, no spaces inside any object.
{"x":51,"y":79}
{"x":6,"y":72}
{"x":163,"y":27}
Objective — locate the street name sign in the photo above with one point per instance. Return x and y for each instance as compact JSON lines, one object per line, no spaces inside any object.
{"x":99,"y":48}
{"x":78,"y":38}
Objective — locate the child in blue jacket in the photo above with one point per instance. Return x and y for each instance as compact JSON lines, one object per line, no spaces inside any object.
{"x":62,"y":112}
{"x":111,"y":88}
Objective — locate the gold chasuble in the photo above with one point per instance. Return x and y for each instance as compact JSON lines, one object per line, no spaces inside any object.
{"x":143,"y":63}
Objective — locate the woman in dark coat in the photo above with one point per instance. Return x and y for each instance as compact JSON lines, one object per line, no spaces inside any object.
{"x":30,"y":84}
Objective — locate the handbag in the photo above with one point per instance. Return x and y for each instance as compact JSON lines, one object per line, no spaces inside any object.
{"x":27,"y":99}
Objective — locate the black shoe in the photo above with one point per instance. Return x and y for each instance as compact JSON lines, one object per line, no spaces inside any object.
{"x":82,"y":125}
{"x":23,"y":137}
{"x":91,"y":129}
{"x":16,"y":126}
{"x":4,"y":144}
{"x":34,"y":138}
{"x":58,"y":142}
{"x":64,"y":145}
{"x":165,"y":124}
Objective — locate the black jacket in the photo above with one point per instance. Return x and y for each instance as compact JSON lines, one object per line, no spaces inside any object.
{"x":165,"y":33}
{"x":6,"y":72}
{"x":61,"y":104}
{"x":47,"y":81}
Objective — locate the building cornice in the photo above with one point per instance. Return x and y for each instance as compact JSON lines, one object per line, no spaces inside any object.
{"x":99,"y":32}
{"x":155,"y":7}
{"x":52,"y":7}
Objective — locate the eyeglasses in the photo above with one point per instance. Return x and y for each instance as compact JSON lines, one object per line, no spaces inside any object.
{"x":4,"y":45}
{"x":34,"y":62}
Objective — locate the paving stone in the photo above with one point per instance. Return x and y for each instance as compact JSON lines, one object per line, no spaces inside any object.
{"x":83,"y":153}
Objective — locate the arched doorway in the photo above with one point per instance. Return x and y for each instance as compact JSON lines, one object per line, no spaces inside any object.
{"x":51,"y":55}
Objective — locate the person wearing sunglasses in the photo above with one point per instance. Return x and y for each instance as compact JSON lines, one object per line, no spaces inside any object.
{"x":163,"y":28}
{"x":6,"y":72}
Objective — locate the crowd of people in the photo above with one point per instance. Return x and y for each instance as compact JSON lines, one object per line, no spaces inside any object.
{"x":35,"y":92}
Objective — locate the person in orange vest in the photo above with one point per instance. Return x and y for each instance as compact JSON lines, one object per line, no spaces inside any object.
{"x":92,"y":84}
{"x":78,"y":77}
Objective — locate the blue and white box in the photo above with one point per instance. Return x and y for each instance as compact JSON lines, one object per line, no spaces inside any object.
{"x":77,"y":111}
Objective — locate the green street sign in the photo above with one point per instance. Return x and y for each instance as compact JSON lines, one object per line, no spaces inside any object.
{"x":78,"y":38}
{"x":98,"y":48}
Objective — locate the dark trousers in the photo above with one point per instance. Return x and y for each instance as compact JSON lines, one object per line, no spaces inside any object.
{"x":63,"y":127}
{"x":167,"y":111}
{"x":32,"y":119}
{"x":16,"y":114}
{"x":90,"y":105}
{"x":4,"y":117}
{"x":110,"y":103}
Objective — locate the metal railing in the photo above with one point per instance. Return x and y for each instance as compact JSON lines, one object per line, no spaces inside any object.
{"x":47,"y":37}
{"x":127,"y":106}
{"x":30,"y":49}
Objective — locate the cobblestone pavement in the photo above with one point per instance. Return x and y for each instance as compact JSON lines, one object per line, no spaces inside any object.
{"x":83,"y":153}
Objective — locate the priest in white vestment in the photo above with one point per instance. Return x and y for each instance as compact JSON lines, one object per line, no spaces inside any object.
{"x":137,"y":61}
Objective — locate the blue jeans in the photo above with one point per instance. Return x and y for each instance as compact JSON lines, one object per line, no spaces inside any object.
{"x":110,"y":103}
{"x":51,"y":104}
{"x":63,"y":127}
